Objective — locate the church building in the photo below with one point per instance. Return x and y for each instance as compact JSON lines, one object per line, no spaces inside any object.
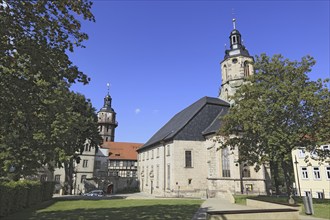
{"x":184,"y":158}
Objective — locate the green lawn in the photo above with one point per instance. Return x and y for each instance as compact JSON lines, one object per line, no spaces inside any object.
{"x":321,"y":206}
{"x":112,"y":209}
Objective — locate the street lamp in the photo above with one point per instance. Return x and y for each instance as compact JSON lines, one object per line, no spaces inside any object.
{"x":296,"y":163}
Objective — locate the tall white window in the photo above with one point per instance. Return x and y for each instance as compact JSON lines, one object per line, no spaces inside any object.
{"x":152,"y":154}
{"x":83,"y":178}
{"x":226,"y":72}
{"x":157,"y":176}
{"x":188,"y":158}
{"x":168,"y":176}
{"x":142,"y":172}
{"x":87,"y":147}
{"x":301,"y":153}
{"x":327,"y":170}
{"x":226,"y":93}
{"x":316,"y":172}
{"x":147,"y":175}
{"x":320,"y":195}
{"x":246,"y":171}
{"x":304,"y":173}
{"x":85,"y":163}
{"x":225,"y":163}
{"x":57,"y":178}
{"x":246,"y":69}
{"x":168,"y":150}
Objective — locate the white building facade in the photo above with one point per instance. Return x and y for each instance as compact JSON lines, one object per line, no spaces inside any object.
{"x":312,"y":176}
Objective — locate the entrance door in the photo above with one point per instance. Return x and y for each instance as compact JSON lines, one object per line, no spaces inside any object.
{"x":110,"y":189}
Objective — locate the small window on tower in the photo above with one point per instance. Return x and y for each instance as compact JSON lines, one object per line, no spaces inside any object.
{"x":226,"y":72}
{"x":246,"y":69}
{"x":235,"y":60}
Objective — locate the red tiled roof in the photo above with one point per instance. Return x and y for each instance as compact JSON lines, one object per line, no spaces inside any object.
{"x":122,"y":150}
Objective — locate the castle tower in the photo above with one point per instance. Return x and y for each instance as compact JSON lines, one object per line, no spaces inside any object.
{"x":236,"y":65}
{"x":107,"y":119}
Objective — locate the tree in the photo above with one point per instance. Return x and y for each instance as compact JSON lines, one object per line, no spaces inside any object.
{"x":279,"y":110}
{"x":36,"y":74}
{"x":72,"y":129}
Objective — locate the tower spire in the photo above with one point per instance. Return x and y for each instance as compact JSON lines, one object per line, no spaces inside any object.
{"x":107,"y":118}
{"x":108,"y":85}
{"x":236,"y":66}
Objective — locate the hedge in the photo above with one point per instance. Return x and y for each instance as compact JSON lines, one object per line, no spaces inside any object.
{"x":15,"y":196}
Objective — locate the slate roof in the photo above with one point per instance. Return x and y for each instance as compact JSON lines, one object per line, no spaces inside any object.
{"x":190,"y":122}
{"x":216,"y":124}
{"x":122,"y":150}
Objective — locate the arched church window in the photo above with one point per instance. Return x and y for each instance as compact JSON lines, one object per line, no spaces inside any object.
{"x":226,"y":71}
{"x":246,"y":69}
{"x":225,"y":162}
{"x":234,"y":39}
{"x":226,"y":93}
{"x":246,"y":171}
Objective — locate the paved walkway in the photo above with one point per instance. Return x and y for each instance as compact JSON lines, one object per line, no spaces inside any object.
{"x":211,"y":204}
{"x":218,"y":204}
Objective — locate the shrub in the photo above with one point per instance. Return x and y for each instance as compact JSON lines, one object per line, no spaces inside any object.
{"x":15,"y":196}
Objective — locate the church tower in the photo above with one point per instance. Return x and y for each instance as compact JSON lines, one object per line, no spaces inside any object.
{"x":107,"y":119}
{"x":235,"y":67}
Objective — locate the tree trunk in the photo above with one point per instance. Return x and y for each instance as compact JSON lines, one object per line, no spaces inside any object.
{"x":287,"y":175}
{"x":274,"y":173}
{"x":68,"y":167}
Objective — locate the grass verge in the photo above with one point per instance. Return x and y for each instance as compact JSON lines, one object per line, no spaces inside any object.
{"x":115,"y":209}
{"x":321,"y":206}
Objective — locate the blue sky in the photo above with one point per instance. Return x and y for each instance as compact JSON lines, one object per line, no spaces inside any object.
{"x":161,"y":56}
